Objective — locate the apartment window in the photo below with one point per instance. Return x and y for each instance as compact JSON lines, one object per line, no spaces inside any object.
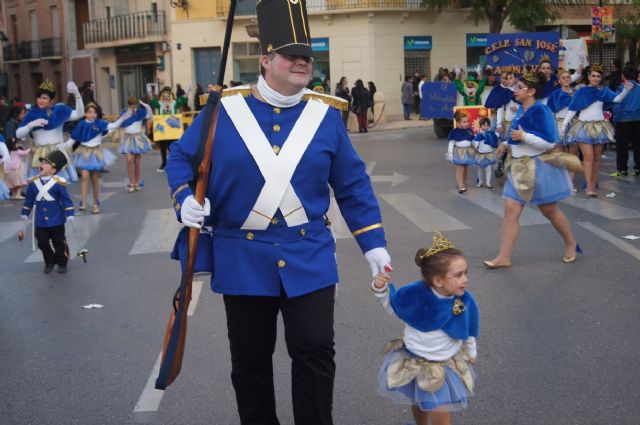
{"x":55,"y":21}
{"x":33,"y":22}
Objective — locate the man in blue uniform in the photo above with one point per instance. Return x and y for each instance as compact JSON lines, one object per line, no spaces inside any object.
{"x":53,"y":207}
{"x":278,"y":150}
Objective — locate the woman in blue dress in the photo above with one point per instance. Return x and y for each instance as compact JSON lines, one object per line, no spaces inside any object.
{"x":45,"y":122}
{"x":534,"y":175}
{"x":91,"y":157}
{"x":592,"y":130}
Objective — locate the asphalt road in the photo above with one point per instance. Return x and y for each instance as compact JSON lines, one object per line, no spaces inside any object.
{"x":559,"y":343}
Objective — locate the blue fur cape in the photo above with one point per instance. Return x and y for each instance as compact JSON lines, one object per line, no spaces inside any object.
{"x":86,"y":130}
{"x":420,"y":308}
{"x":140,"y":115}
{"x":585,"y":96}
{"x":537,"y":120}
{"x":559,"y":100}
{"x":489,"y":138}
{"x":498,"y":97}
{"x":57,"y":115}
{"x":550,"y":86}
{"x":459,"y":134}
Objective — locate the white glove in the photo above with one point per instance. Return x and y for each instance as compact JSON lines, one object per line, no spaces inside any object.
{"x":40,"y":122}
{"x":70,"y":219}
{"x":73,"y":89}
{"x":144,"y":105}
{"x":192,"y":213}
{"x":478,"y":69}
{"x":457,"y":70}
{"x":378,"y":258}
{"x":68,"y":145}
{"x":127,"y":114}
{"x":449,"y":157}
{"x":23,"y":217}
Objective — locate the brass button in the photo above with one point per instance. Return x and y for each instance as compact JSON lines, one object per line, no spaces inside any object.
{"x":46,"y":218}
{"x":177,"y":207}
{"x":276,"y":128}
{"x":276,"y":110}
{"x":303,"y":232}
{"x":250,"y":236}
{"x":281,"y":264}
{"x":269,"y":48}
{"x":274,"y":220}
{"x":276,"y":149}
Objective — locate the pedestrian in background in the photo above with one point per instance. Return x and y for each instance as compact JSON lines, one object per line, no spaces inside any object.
{"x":16,"y":115}
{"x":196,"y":101}
{"x":372,"y":92}
{"x":415,"y":82}
{"x":342,"y":91}
{"x":627,"y":118}
{"x":407,"y":97}
{"x":360,"y":105}
{"x":16,"y":168}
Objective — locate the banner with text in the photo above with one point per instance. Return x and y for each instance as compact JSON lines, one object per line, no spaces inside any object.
{"x":438,"y":100}
{"x":524,"y":48}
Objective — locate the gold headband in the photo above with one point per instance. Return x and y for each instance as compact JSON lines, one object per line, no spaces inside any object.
{"x":440,"y":243}
{"x":530,"y":76}
{"x":48,"y":86}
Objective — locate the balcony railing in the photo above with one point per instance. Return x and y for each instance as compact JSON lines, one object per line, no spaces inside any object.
{"x":248,"y":7}
{"x":47,"y":48}
{"x":140,"y":25}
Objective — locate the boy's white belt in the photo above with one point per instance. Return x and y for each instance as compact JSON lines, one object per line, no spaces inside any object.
{"x":277,"y":169}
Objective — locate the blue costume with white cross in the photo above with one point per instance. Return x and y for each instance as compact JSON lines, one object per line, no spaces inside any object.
{"x":51,"y":200}
{"x":259,"y":246}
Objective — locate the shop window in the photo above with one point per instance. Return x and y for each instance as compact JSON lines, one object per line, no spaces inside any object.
{"x":417,"y":60}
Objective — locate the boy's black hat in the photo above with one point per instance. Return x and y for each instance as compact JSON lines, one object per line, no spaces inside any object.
{"x":284,"y":27}
{"x":57,"y":159}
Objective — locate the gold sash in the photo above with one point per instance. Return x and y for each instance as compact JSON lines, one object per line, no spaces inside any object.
{"x":463,"y":152}
{"x":87,"y":151}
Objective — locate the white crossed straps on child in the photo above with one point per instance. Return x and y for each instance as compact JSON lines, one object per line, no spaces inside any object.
{"x":43,"y":190}
{"x":277,"y":169}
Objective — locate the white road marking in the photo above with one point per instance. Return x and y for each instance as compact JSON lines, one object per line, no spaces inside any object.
{"x":395,"y":179}
{"x":602,"y":207}
{"x":158,"y":232}
{"x":150,"y":398}
{"x":77,"y":234}
{"x":370,"y":167}
{"x":491,"y":200}
{"x":423,"y":214}
{"x":614,"y":240}
{"x":339,"y":227}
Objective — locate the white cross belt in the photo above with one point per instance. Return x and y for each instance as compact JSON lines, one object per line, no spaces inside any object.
{"x":43,"y":190}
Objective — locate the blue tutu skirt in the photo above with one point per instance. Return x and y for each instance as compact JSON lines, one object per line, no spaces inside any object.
{"x":451,"y":396}
{"x":94,"y":159}
{"x":135,"y":144}
{"x":564,"y":141}
{"x":484,"y":160}
{"x":551,"y":185}
{"x":590,"y":132}
{"x":69,"y":173}
{"x":4,"y":191}
{"x":463,"y":156}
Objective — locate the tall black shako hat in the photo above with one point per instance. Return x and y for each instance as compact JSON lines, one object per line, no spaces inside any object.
{"x":57,"y":159}
{"x":284,"y":27}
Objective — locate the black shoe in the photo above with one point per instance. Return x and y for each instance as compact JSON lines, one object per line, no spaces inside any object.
{"x":48,"y":268}
{"x":61,"y":269}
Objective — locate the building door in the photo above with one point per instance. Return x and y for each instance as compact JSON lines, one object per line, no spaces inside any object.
{"x":133,"y":81}
{"x":82,"y":16}
{"x":207,"y":61}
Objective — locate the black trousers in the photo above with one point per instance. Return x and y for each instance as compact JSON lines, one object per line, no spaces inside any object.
{"x":48,"y":236}
{"x":627,"y":134}
{"x":308,"y":324}
{"x":164,"y":148}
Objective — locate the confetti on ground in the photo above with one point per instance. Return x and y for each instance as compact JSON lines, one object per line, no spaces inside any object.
{"x":90,"y":306}
{"x":631,"y":237}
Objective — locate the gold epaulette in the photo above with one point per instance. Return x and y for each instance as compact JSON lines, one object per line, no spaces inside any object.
{"x":60,"y":180}
{"x":333,"y":101}
{"x":245,"y":91}
{"x":34,"y":178}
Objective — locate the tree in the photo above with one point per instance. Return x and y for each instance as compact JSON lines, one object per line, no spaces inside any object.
{"x":628,"y":29}
{"x":523,"y":14}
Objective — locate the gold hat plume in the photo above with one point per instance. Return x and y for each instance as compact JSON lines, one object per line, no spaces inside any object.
{"x":47,"y":85}
{"x":597,"y":68}
{"x":440,"y":243}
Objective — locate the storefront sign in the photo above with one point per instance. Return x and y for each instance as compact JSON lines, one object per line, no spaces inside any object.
{"x":320,"y":44}
{"x":417,"y":42}
{"x":601,"y":21}
{"x":438,"y":100}
{"x":477,"y":40}
{"x":519,"y":49}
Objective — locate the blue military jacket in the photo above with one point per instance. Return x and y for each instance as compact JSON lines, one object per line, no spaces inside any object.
{"x":52,"y":206}
{"x":301,"y":258}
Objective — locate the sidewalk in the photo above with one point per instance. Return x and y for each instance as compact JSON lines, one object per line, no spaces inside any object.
{"x":401,"y":124}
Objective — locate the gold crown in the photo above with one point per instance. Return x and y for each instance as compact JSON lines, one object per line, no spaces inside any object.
{"x":530,"y":76}
{"x":561,"y":71}
{"x":91,"y":105}
{"x":440,"y":243}
{"x":545,"y":58}
{"x":597,"y":68}
{"x":48,"y":86}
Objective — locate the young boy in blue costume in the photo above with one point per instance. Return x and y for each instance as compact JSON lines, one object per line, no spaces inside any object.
{"x":53,"y":207}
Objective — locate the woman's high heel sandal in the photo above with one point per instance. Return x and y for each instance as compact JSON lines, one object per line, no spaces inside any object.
{"x":566,"y":259}
{"x":95,"y":210}
{"x":137,"y":187}
{"x":130,"y":188}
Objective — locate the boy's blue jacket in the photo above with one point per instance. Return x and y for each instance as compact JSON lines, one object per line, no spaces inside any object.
{"x":52,"y":205}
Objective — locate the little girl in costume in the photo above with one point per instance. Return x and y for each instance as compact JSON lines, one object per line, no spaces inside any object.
{"x":430,"y":367}
{"x":4,"y":158}
{"x":460,"y":151}
{"x":45,"y":122}
{"x":135,"y":142}
{"x":16,"y":168}
{"x":502,"y":100}
{"x":485,"y":143}
{"x":91,"y":157}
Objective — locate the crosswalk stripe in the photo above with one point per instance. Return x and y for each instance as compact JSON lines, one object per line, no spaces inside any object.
{"x":602,"y":207}
{"x":423,"y":214}
{"x":493,"y":202}
{"x":77,"y":233}
{"x":339,"y":227}
{"x":10,"y":229}
{"x":158,"y":232}
{"x":624,"y":246}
